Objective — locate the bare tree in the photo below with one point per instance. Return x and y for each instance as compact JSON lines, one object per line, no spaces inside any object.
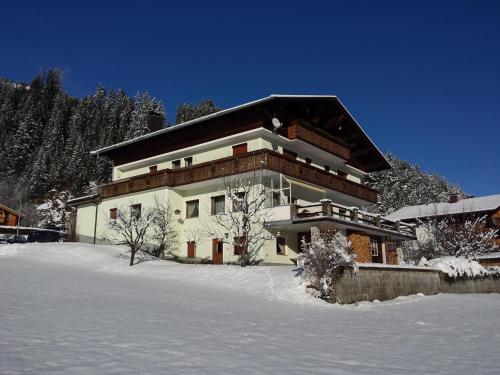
{"x":242,"y":225}
{"x":163,"y":228}
{"x":131,"y":227}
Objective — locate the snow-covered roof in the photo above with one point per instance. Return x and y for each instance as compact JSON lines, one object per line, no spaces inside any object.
{"x":494,"y":255}
{"x":470,"y":205}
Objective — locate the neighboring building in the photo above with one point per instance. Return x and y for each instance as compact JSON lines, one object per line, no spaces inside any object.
{"x":8,"y":217}
{"x":309,"y":150}
{"x":460,"y":210}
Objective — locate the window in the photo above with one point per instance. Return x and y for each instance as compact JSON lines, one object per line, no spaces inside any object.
{"x":219,"y":246}
{"x":176,"y":164}
{"x":341,"y":174}
{"x":327,"y":168}
{"x":240,"y":149}
{"x":280,"y":245}
{"x":308,"y":161}
{"x":374,"y":246}
{"x":218,"y":204}
{"x":113,"y":213}
{"x":135,"y":211}
{"x":153,"y":169}
{"x":276,"y":199}
{"x":192,"y":208}
{"x":188,"y":161}
{"x":238,"y":201}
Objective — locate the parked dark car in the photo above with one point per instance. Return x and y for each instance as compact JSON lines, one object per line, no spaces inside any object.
{"x":44,"y":236}
{"x":15,"y":238}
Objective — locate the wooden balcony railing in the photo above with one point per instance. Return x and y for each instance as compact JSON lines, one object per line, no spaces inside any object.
{"x":352,"y":215}
{"x":251,"y":161}
{"x":296,"y":131}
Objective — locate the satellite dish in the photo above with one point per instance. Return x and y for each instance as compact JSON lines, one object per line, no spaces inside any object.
{"x":276,"y":123}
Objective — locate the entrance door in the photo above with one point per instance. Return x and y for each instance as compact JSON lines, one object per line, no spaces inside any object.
{"x":217,"y":251}
{"x":191,"y":249}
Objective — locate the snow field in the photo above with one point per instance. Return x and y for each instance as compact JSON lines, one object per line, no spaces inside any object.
{"x":79,"y":309}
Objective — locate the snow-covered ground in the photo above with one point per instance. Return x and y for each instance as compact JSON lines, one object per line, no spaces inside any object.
{"x":79,"y":309}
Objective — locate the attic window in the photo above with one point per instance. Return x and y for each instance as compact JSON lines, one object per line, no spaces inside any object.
{"x":153,"y":169}
{"x":113,"y":213}
{"x":176,"y":164}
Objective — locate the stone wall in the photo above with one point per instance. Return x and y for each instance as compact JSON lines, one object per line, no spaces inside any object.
{"x":361,"y":246}
{"x":384,"y":282}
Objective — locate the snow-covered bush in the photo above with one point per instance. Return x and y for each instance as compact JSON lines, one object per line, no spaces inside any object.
{"x":447,"y":237}
{"x":456,"y":266}
{"x":324,"y":260}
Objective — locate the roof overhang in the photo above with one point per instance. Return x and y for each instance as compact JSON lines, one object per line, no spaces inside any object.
{"x":323,"y":112}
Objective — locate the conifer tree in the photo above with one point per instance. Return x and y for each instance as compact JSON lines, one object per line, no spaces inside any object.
{"x":187,"y":111}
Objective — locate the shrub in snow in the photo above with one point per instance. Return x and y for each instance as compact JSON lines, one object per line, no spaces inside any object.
{"x":456,"y":267}
{"x":324,"y":260}
{"x":447,"y":237}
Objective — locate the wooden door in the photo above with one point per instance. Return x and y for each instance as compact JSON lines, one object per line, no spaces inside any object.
{"x":240,"y":149}
{"x":217,"y":251}
{"x":191,"y":249}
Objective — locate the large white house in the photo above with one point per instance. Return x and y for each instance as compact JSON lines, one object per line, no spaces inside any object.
{"x":308,"y":150}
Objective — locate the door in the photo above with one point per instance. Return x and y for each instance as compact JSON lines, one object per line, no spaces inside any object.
{"x":240,"y":149}
{"x":191,"y":249}
{"x":303,"y":236}
{"x":217,"y":251}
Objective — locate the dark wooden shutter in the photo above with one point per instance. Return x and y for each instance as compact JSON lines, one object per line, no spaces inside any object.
{"x":240,"y":149}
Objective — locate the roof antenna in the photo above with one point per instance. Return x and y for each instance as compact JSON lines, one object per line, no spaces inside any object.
{"x":276,"y":123}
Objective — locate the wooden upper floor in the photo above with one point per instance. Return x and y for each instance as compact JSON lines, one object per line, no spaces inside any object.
{"x":244,"y":162}
{"x":320,"y":121}
{"x":8,"y":216}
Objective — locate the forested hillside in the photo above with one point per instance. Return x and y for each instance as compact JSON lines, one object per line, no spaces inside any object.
{"x":407,"y":185}
{"x":46,"y":135}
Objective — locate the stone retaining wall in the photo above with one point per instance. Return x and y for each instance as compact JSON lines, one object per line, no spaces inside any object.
{"x":374,"y":282}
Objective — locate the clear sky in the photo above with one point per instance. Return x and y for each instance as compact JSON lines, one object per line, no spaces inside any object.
{"x":421,"y":77}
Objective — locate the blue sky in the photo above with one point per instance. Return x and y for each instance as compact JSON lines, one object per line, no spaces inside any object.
{"x":422,"y":77}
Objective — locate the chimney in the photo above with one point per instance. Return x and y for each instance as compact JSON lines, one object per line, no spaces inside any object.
{"x":454,"y":198}
{"x":155,"y":121}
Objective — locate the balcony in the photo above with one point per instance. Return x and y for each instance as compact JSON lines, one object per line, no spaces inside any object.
{"x":248,"y":162}
{"x":322,"y":141}
{"x":353,"y":215}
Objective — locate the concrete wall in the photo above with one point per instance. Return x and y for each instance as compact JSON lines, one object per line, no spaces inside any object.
{"x":388,"y":282}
